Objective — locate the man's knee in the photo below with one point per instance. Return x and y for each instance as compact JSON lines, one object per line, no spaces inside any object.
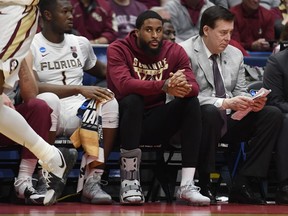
{"x":131,"y":102}
{"x":38,"y":105}
{"x":51,"y":99}
{"x":210,"y":113}
{"x":110,"y":114}
{"x":272,"y":114}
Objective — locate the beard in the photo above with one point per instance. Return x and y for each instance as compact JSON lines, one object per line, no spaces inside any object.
{"x":145,"y":46}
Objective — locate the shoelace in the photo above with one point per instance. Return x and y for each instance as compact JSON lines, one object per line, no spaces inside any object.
{"x":46,"y":176}
{"x":98,"y":179}
{"x":192,"y":187}
{"x":46,"y":166}
{"x":30,"y":187}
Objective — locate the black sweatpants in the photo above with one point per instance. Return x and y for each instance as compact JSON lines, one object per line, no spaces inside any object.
{"x":157,"y":125}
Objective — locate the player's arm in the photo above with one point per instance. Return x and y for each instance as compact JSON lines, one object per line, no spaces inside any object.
{"x":27,"y":82}
{"x":99,"y":70}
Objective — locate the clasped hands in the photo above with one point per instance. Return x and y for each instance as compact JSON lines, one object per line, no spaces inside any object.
{"x":177,"y":84}
{"x":242,"y":103}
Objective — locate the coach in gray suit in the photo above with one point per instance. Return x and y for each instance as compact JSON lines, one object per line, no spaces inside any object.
{"x":260,"y":127}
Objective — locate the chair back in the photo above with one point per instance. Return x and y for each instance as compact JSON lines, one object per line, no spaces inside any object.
{"x":253,"y":87}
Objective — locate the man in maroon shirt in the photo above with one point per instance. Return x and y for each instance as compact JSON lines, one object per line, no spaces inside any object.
{"x":254,"y":26}
{"x":153,"y":3}
{"x":126,"y":12}
{"x":94,"y":19}
{"x":142,"y":68}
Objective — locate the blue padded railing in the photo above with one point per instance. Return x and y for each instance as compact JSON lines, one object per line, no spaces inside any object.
{"x":257,"y":58}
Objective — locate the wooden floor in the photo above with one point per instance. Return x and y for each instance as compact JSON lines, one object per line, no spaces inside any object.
{"x":148,"y":209}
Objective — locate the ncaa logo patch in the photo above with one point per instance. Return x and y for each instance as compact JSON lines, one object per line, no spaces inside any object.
{"x":42,"y":49}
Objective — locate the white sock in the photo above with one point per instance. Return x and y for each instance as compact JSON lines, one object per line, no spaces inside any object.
{"x":27,"y":167}
{"x":187,"y":175}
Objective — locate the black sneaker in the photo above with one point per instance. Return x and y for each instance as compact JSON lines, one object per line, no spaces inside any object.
{"x":55,"y":184}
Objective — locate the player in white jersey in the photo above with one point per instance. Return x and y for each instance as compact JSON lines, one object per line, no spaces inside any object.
{"x":18,"y":21}
{"x":59,"y":60}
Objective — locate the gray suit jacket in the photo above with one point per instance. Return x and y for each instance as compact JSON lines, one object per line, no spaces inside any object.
{"x":233,"y":71}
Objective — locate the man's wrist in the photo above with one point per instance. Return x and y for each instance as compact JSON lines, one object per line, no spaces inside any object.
{"x":165,"y":86}
{"x":224,"y":104}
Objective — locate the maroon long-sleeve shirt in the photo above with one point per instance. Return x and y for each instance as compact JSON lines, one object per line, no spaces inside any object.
{"x":95,"y":21}
{"x":250,"y":27}
{"x":131,"y":71}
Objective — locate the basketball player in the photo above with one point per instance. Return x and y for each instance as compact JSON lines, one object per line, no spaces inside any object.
{"x":18,"y":21}
{"x":59,"y":60}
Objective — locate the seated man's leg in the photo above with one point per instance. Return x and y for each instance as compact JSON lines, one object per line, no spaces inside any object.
{"x":281,"y":196}
{"x":92,"y":191}
{"x":190,"y":131}
{"x":211,"y":134}
{"x":260,"y":130}
{"x":131,"y":110}
{"x":14,"y":126}
{"x":68,"y":122}
{"x":162,"y":123}
{"x":37,"y":114}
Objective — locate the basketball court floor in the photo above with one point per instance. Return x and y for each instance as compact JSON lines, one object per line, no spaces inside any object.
{"x":148,"y":209}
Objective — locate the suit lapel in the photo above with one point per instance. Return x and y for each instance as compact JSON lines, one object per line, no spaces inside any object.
{"x":224,"y":65}
{"x":204,"y":62}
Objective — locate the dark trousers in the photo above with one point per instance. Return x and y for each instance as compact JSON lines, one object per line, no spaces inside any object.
{"x":157,"y":125}
{"x":37,"y":114}
{"x":259,"y":129}
{"x":282,"y":151}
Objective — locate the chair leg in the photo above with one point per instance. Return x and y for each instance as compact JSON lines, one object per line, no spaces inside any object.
{"x":263,"y":188}
{"x":162,"y":176}
{"x":242,"y":153}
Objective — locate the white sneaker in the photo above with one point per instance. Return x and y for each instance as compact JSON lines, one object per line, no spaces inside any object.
{"x":56,"y":171}
{"x":192,"y":195}
{"x":24,"y":190}
{"x":92,"y":191}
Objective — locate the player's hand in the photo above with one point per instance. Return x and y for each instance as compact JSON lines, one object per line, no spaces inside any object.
{"x":179,"y":91}
{"x":178,"y":85}
{"x":7,"y":101}
{"x":177,"y":79}
{"x":96,"y":92}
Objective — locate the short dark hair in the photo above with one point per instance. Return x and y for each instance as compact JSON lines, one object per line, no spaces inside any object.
{"x":148,"y":14}
{"x":212,"y":14}
{"x":47,"y":5}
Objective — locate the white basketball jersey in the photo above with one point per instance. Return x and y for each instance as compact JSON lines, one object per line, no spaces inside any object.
{"x":18,"y":27}
{"x":62,"y":63}
{"x":19,"y":2}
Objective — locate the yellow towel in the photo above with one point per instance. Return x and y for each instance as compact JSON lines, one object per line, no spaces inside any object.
{"x":89,"y":136}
